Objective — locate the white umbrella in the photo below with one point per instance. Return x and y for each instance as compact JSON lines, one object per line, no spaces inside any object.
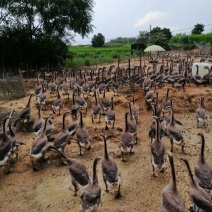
{"x":154,"y":48}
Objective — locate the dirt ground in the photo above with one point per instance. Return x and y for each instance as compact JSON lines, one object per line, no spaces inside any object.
{"x":50,"y":188}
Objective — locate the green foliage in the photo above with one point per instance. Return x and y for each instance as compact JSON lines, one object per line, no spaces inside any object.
{"x":36,"y":33}
{"x":165,"y":31}
{"x":143,"y":37}
{"x":159,"y":39}
{"x":198,"y":29}
{"x":88,"y":55}
{"x":200,"y":38}
{"x":122,"y":40}
{"x":98,"y":40}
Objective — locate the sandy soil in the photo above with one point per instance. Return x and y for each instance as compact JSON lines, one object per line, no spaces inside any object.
{"x":50,"y":188}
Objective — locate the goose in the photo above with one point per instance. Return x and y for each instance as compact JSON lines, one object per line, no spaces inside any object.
{"x":79,"y":174}
{"x":50,"y":128}
{"x":115,"y":85}
{"x":167,"y":117}
{"x":83,"y":136}
{"x":96,"y":110}
{"x":39,"y":147}
{"x":149,"y":96}
{"x":201,"y":200}
{"x":101,"y":85}
{"x":15,"y":143}
{"x":24,"y":115}
{"x":134,"y":108}
{"x":172,"y":200}
{"x":92,"y":83}
{"x":74,"y":107}
{"x":62,"y":138}
{"x":73,"y":126}
{"x":202,"y":170}
{"x":41,"y":98}
{"x":147,"y":82}
{"x":57,"y":103}
{"x":6,"y":148}
{"x":80,"y":101}
{"x":110,"y":171}
{"x":157,"y":151}
{"x":38,"y":87}
{"x":201,"y":115}
{"x":85,"y":87}
{"x":132,"y":126}
{"x":39,"y":124}
{"x":52,"y":85}
{"x":110,"y":116}
{"x":157,"y":107}
{"x":105,"y":104}
{"x":197,"y":76}
{"x":65,"y":87}
{"x":166,"y":102}
{"x":91,"y":196}
{"x":126,"y":140}
{"x":152,"y":132}
{"x":174,"y":134}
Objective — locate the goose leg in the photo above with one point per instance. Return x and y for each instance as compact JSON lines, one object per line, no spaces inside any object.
{"x":171,"y":141}
{"x":106,"y":127}
{"x":118,"y":195}
{"x":106,"y":186}
{"x":75,"y":188}
{"x":183,"y":148}
{"x":113,"y":123}
{"x":153,"y":171}
{"x":92,"y":118}
{"x":34,"y":168}
{"x":123,"y":159}
{"x":80,"y":150}
{"x":99,"y":118}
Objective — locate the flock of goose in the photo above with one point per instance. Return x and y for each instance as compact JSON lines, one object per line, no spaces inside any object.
{"x":85,"y":86}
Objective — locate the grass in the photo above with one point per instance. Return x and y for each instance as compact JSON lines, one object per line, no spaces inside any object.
{"x":88,"y":55}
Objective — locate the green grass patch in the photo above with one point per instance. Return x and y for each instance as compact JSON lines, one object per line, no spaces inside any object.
{"x":88,"y":55}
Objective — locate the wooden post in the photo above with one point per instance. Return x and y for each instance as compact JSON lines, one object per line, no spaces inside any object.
{"x":130,"y":76}
{"x":141,"y":71}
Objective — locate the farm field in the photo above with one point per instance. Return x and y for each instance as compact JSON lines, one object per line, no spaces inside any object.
{"x":50,"y":189}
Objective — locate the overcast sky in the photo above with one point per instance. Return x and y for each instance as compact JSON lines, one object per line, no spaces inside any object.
{"x":125,"y":18}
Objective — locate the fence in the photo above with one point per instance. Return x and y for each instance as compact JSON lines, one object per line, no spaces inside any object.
{"x":11,"y":86}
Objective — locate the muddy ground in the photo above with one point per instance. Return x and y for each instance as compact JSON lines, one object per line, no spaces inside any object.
{"x":50,"y":188}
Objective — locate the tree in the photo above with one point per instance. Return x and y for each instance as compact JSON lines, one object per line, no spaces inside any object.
{"x":48,"y":24}
{"x":98,"y":40}
{"x":159,"y":39}
{"x":143,"y":37}
{"x":165,"y":31}
{"x":198,"y":29}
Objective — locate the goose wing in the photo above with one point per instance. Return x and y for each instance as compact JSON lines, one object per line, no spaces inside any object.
{"x":91,"y":196}
{"x":172,"y":202}
{"x":57,"y":102}
{"x":61,"y":139}
{"x":38,"y":144}
{"x":5,"y":148}
{"x":158,"y":152}
{"x":110,"y":115}
{"x":203,"y":175}
{"x":201,"y":199}
{"x":110,"y":170}
{"x":79,"y":173}
{"x":200,"y":112}
{"x":82,"y":135}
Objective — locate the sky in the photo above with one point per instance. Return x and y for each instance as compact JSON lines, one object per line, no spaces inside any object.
{"x":126,"y":18}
